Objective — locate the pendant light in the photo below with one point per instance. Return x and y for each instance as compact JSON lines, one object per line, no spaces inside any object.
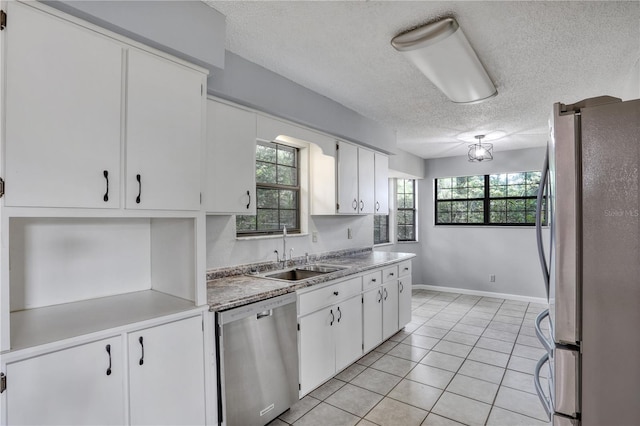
{"x":480,"y":151}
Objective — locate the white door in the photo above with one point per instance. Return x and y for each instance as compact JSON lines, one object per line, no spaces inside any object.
{"x":366,"y":181}
{"x":231,"y":155}
{"x":317,"y":348}
{"x":166,"y":374}
{"x":372,"y":318}
{"x":63,"y":103}
{"x":348,"y":331}
{"x":404,"y":301}
{"x":83,"y":385}
{"x":347,"y":178}
{"x":381,"y":183}
{"x":389,"y":309}
{"x":163,"y":133}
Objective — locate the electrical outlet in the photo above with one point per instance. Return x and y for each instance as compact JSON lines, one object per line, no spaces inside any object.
{"x":492,"y":278}
{"x":314,"y":236}
{"x":349,"y":234}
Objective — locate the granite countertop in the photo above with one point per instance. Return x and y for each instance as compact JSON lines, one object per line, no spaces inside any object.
{"x":230,"y":288}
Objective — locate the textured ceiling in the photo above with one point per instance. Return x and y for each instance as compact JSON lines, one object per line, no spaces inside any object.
{"x":536,"y":52}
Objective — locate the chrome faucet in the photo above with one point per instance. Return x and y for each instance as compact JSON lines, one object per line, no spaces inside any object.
{"x":284,"y":249}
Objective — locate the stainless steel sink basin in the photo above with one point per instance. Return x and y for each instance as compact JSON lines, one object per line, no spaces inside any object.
{"x":303,"y":272}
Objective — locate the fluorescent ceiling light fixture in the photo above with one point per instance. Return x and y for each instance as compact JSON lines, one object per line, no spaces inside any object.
{"x":442,"y":52}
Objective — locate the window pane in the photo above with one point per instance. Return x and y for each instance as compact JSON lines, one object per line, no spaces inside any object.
{"x":265,"y":173}
{"x":288,"y":218}
{"x":266,"y":153}
{"x":268,"y":220}
{"x":444,"y":183}
{"x":286,"y":156}
{"x":288,"y":199}
{"x":476,"y":192}
{"x":444,"y":217}
{"x":444,"y":194}
{"x":267,"y":198}
{"x":245,"y":222}
{"x":287,"y":176}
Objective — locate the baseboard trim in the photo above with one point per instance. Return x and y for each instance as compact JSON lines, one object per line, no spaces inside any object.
{"x":529,"y":299}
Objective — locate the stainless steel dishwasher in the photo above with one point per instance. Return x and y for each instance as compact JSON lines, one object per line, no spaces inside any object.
{"x":258,"y":361}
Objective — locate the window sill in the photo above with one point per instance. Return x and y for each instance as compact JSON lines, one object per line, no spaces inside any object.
{"x":408,"y":242}
{"x":382,"y":245}
{"x":489,"y":226}
{"x":270,"y":237}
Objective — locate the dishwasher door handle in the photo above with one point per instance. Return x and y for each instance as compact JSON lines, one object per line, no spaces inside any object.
{"x":263,"y":314}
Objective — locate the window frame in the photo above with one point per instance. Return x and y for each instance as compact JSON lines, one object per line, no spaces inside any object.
{"x":486,"y":200}
{"x":271,"y":186}
{"x":413,"y":209}
{"x":377,"y":227}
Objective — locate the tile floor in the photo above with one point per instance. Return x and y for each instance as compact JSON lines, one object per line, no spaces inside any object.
{"x":462,"y":360}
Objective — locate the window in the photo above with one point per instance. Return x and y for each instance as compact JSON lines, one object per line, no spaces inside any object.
{"x":277,"y":192}
{"x":406,"y":209}
{"x":496,"y":199}
{"x":380,"y":228}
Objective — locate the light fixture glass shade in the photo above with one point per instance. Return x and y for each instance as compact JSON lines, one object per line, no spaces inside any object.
{"x":442,"y":52}
{"x":480,"y":151}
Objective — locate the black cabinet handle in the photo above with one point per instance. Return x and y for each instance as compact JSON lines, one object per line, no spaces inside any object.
{"x":401,"y":286}
{"x":377,"y":205}
{"x":332,"y":317}
{"x":406,"y":269}
{"x":139,"y":189}
{"x":340,"y":312}
{"x":335,"y":293}
{"x":249,"y":195}
{"x":108,"y":348}
{"x":391,"y":273}
{"x":106,"y":194}
{"x":379,"y":294}
{"x":361,"y":205}
{"x":141,"y":347}
{"x":355,"y":204}
{"x":386,"y":294}
{"x":373,"y":280}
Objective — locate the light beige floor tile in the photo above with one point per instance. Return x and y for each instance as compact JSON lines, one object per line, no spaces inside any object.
{"x":393,"y":365}
{"x":390,"y":412}
{"x":370,"y":358}
{"x":429,"y":331}
{"x":474,"y":313}
{"x":399,"y":336}
{"x":498,"y":359}
{"x":495,"y":345}
{"x":520,"y":402}
{"x":464,"y":338}
{"x":501,"y":417}
{"x":451,"y":348}
{"x":324,"y":414}
{"x":478,"y":322}
{"x":277,"y":422}
{"x":443,"y":361}
{"x":508,"y":319}
{"x":482,"y":371}
{"x":354,"y":400}
{"x":461,"y":409}
{"x":431,"y":376}
{"x":299,"y":409}
{"x":469,"y":329}
{"x":446,"y":315}
{"x":528,"y":352}
{"x":473,"y":388}
{"x":385,"y":347}
{"x":445,"y":325}
{"x":529,"y":341}
{"x":323,"y":392}
{"x":409,"y":352}
{"x":521,"y":381}
{"x":350,"y":372}
{"x":436,"y":420}
{"x":502,"y":326}
{"x":376,"y":381}
{"x":419,"y":341}
{"x":365,"y":422}
{"x":416,"y":394}
{"x":524,"y":365}
{"x":499,"y":334}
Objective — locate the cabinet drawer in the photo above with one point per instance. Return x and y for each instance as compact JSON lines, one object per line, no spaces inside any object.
{"x":371,"y":280}
{"x":390,"y":274}
{"x":316,"y":299}
{"x":405,"y":268}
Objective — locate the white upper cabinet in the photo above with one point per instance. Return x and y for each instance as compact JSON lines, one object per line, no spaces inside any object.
{"x":348,"y":201}
{"x":164,"y":133}
{"x":231,"y":153}
{"x":366,"y":180}
{"x":381,"y":184}
{"x":63,"y":121}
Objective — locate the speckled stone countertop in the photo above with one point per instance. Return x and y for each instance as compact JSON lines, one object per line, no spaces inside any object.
{"x":232,"y":287}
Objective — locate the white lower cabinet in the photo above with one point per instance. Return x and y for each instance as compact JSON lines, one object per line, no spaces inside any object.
{"x":389,"y":309}
{"x":404,"y":294}
{"x":166,"y":374}
{"x":80,"y":385}
{"x":372,"y":316}
{"x":86,"y":384}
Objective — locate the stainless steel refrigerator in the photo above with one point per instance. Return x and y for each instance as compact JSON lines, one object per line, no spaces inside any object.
{"x":592,"y":265}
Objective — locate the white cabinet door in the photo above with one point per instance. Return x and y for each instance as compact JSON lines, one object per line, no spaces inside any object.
{"x":78,"y":386}
{"x":404,"y":301}
{"x":348,"y":331}
{"x":347,"y":178}
{"x":381,"y":183}
{"x":63,"y":103}
{"x":163,"y":133}
{"x":389,"y":309}
{"x":366,"y":181}
{"x":372,"y":318}
{"x":231,"y":154}
{"x":317,"y":349}
{"x":166,"y":374}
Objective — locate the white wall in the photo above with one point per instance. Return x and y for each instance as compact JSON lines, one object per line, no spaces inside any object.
{"x":223,"y":249}
{"x":464,"y":257}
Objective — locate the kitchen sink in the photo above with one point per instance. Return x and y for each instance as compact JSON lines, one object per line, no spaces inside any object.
{"x":303,"y":272}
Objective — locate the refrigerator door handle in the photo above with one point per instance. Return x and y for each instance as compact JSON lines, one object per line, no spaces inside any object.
{"x":540,"y":198}
{"x":543,"y":339}
{"x":546,"y":401}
